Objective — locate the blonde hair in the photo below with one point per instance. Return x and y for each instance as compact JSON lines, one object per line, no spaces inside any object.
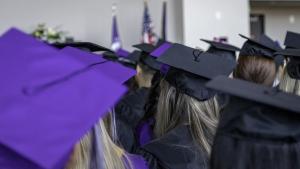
{"x":289,"y":84}
{"x":114,"y":157}
{"x":80,"y":158}
{"x":175,"y":108}
{"x":144,"y":75}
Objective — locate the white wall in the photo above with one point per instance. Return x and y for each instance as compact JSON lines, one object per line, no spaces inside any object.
{"x":279,"y":19}
{"x":90,"y":20}
{"x":214,"y":18}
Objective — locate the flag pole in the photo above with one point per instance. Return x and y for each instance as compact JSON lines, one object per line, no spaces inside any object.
{"x":164,"y":21}
{"x":114,"y":9}
{"x":116,"y":42}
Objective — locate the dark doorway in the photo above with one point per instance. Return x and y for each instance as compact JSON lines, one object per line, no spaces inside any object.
{"x":257,"y":25}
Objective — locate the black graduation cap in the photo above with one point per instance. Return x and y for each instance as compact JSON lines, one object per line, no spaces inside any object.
{"x":87,"y":46}
{"x":292,"y":40}
{"x":293,"y":66}
{"x":263,"y":47}
{"x":190,"y":69}
{"x":145,"y":55}
{"x":134,"y":56}
{"x":128,"y":61}
{"x":222,"y":49}
{"x":161,"y":42}
{"x":289,"y":52}
{"x":256,"y":93}
{"x":258,"y":122}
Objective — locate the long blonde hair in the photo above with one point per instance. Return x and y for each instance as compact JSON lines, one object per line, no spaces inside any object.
{"x":175,"y":108}
{"x":80,"y":158}
{"x":289,"y":84}
{"x":114,"y":157}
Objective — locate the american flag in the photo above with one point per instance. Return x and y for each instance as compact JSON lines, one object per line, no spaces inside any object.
{"x":116,"y":42}
{"x":147,"y":33}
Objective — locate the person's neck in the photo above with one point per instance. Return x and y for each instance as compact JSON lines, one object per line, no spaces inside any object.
{"x":145,"y":84}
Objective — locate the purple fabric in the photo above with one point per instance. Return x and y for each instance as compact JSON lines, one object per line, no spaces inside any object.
{"x":10,"y":159}
{"x":159,"y":51}
{"x":116,"y":41}
{"x":164,"y":69}
{"x":42,"y":126}
{"x":145,"y":132}
{"x":123,"y":53}
{"x":82,"y":56}
{"x":138,"y":162}
{"x":116,"y":71}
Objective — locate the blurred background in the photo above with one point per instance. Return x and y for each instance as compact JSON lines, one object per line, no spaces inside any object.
{"x":184,"y":21}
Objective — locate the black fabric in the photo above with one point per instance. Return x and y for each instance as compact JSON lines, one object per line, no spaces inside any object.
{"x":259,"y":128}
{"x":264,"y":41}
{"x":293,"y":66}
{"x":292,"y":40}
{"x":189,"y":84}
{"x":232,"y":153}
{"x":126,"y":61}
{"x":222,"y":99}
{"x":190,"y":69}
{"x":252,"y":135}
{"x":129,"y":111}
{"x":87,"y":46}
{"x":144,"y":56}
{"x":222,"y":49}
{"x":227,"y":54}
{"x":246,"y":119}
{"x":152,"y":161}
{"x":150,"y":61}
{"x":161,"y":42}
{"x":255,"y":92}
{"x":175,"y":150}
{"x":290,"y":53}
{"x":191,"y":60}
{"x":264,"y":47}
{"x":253,"y":49}
{"x":134,"y":56}
{"x":221,"y":46}
{"x":145,"y":47}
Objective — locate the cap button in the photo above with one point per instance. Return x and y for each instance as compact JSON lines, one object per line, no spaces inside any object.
{"x":197,"y":53}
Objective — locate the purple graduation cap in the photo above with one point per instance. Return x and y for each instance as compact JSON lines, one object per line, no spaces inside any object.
{"x":48,"y":101}
{"x":19,"y":51}
{"x":114,"y":70}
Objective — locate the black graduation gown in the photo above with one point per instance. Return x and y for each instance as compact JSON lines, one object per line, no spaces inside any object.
{"x":129,"y":111}
{"x":175,"y":150}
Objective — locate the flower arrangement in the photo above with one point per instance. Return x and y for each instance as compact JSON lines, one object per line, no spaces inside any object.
{"x":51,"y":35}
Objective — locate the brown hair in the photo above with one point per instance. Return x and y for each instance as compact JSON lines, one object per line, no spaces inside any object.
{"x":259,"y":70}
